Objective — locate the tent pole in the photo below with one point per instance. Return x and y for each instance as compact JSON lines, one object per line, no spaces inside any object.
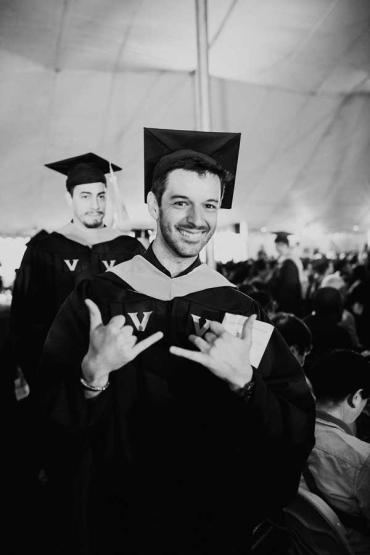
{"x":204,"y":122}
{"x":202,"y":88}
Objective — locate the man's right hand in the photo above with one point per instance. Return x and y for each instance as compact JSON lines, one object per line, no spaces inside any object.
{"x":111,"y":346}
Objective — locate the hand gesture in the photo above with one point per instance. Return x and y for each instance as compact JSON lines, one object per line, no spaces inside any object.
{"x":111,"y":346}
{"x":223,"y":354}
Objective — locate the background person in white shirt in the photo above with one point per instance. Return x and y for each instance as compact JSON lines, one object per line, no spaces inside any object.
{"x":339,"y":464}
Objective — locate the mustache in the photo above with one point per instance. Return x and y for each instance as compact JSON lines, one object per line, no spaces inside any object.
{"x":193,"y":227}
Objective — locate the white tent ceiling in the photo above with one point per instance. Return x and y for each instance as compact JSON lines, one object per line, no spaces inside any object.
{"x":88,"y":75}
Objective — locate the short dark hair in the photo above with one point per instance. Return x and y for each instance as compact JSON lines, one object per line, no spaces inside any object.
{"x":338,"y":374}
{"x":320,"y":266}
{"x":295,"y":332}
{"x":195,"y":164}
{"x":328,"y":301}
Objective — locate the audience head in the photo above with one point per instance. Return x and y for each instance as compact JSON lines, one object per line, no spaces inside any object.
{"x":337,"y":282}
{"x":328,"y":303}
{"x":296,"y":333}
{"x":359,"y":273}
{"x":343,"y":266}
{"x":341,"y":383}
{"x":322,"y":267}
{"x":333,"y":280}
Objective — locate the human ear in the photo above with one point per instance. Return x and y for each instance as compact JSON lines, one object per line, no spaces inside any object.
{"x":68,"y":197}
{"x":351,"y":400}
{"x":354,"y":399}
{"x":153,"y":206}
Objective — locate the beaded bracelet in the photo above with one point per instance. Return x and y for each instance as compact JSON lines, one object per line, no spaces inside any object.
{"x":94,"y":387}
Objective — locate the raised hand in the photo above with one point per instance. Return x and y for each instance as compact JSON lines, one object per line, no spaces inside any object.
{"x":111,"y":346}
{"x":223,"y":354}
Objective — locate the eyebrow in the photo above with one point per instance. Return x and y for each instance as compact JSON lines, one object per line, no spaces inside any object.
{"x":90,"y":193}
{"x":187,"y":198}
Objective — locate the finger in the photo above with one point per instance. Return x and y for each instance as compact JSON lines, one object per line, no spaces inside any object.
{"x":247,"y":327}
{"x":117,"y":322}
{"x":127,"y":331}
{"x":126,"y":341}
{"x":94,"y":313}
{"x":199,"y":342}
{"x":195,"y":356}
{"x":216,"y":328}
{"x":210,"y":337}
{"x":147,"y":342}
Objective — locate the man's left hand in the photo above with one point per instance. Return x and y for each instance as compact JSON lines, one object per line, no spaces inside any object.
{"x":226,"y":356}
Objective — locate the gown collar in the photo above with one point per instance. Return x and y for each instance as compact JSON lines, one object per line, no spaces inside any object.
{"x":151,"y":257}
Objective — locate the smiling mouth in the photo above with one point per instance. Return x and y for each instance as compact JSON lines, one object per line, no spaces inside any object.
{"x":192,"y":234}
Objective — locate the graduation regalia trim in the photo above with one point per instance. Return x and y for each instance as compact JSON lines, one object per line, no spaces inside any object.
{"x":89,"y":237}
{"x":145,"y":278}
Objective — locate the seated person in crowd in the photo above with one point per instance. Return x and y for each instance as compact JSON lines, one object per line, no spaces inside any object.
{"x":359,"y":302}
{"x":323,"y":322}
{"x":339,"y":465}
{"x":319,"y":268}
{"x":348,"y":321}
{"x":296,"y":333}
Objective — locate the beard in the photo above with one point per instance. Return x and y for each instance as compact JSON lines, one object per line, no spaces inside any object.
{"x":185,"y":240}
{"x":93,"y":221}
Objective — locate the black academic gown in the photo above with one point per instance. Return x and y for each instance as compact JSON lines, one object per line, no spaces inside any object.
{"x":51,"y":266}
{"x":286,"y":287}
{"x":169,"y":460}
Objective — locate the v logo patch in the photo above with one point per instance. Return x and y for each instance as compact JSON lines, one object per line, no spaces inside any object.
{"x":109,"y":263}
{"x":140,"y":326}
{"x":200,"y":331}
{"x":71,"y":264}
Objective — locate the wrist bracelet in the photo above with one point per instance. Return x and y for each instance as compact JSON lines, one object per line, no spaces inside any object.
{"x":94,"y":387}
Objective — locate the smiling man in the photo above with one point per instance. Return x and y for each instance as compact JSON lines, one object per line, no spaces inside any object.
{"x":178,"y":436}
{"x":54,"y":262}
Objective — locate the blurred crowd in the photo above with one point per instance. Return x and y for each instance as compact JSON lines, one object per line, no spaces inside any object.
{"x":333,"y":295}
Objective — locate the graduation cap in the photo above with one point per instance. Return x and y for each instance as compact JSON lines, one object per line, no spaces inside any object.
{"x":164,"y":148}
{"x":282,"y":236}
{"x":86,"y":168}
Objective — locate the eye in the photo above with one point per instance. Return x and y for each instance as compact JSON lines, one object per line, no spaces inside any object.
{"x":180,"y":203}
{"x":210,"y":206}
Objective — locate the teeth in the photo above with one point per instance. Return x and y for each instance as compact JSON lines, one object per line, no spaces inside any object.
{"x":192,"y":234}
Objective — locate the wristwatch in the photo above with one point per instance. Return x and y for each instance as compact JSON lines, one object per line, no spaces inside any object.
{"x":246,"y":391}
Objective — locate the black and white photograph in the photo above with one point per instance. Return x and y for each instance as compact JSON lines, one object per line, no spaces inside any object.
{"x":185,"y":277}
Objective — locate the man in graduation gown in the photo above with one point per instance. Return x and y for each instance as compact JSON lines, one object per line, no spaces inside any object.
{"x":286,"y":285}
{"x":177,"y":430}
{"x":54,"y":262}
{"x":52,"y":265}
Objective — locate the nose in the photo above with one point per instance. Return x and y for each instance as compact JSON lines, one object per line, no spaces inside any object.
{"x":195,"y":216}
{"x":94,"y":202}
